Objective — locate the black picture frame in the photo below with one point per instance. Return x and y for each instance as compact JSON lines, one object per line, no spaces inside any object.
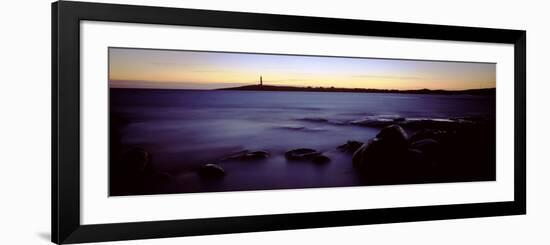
{"x":66,"y":226}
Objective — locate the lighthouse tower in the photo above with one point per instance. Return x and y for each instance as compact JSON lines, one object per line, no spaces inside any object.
{"x":261,"y":82}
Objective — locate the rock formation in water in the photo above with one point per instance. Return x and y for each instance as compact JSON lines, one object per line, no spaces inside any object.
{"x":437,"y":152}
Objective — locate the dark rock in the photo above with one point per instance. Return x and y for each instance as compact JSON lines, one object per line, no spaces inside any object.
{"x":428,"y":134}
{"x":399,"y":119}
{"x":415,"y":156}
{"x":128,"y":172}
{"x":211,"y":171}
{"x":255,"y":155}
{"x":384,"y":159}
{"x":160,"y":177}
{"x":292,"y":127}
{"x":429,"y":147}
{"x":350,"y":146}
{"x":441,"y":150}
{"x":301,"y":154}
{"x":368,"y":153}
{"x":321,"y":159}
{"x":372,"y":122}
{"x":425,"y":145}
{"x":393,"y":135}
{"x":249,"y":155}
{"x":430,"y":124}
{"x":136,"y":160}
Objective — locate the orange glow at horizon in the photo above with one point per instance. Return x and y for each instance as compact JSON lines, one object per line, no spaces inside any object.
{"x":144,"y":68}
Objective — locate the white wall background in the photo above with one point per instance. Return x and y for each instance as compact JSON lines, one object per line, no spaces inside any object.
{"x":25,"y":121}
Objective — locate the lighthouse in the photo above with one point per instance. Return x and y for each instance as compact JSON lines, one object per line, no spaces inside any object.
{"x":261,"y":82}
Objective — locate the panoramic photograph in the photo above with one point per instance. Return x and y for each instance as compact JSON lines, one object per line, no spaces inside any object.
{"x":186,"y":121}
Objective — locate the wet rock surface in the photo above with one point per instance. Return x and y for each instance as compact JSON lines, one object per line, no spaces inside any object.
{"x":301,"y":154}
{"x":135,"y":173}
{"x":351,"y":146}
{"x":250,"y":155}
{"x":306,"y":154}
{"x":211,"y":171}
{"x":438,"y":152}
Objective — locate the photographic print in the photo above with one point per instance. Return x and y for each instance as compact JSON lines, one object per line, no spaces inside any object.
{"x":186,"y":121}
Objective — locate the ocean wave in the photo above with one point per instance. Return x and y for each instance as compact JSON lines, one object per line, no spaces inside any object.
{"x":380,"y":120}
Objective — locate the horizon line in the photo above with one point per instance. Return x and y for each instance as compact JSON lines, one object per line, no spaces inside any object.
{"x":300,"y":87}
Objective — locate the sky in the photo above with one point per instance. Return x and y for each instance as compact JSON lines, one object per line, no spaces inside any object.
{"x":176,"y":69}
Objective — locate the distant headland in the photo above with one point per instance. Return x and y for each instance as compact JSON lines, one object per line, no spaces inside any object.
{"x":261,"y":87}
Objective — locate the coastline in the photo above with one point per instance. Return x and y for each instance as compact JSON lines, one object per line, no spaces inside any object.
{"x":270,"y":88}
{"x":482,"y":91}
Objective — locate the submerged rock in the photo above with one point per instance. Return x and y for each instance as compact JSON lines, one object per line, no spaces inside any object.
{"x":306,"y":154}
{"x":136,"y":160}
{"x":322,"y":120}
{"x":254,"y":155}
{"x":135,"y":173}
{"x":211,"y":171}
{"x":301,"y":154}
{"x":249,"y":155}
{"x":350,"y":146}
{"x":292,"y":127}
{"x":161,"y":177}
{"x":301,"y":128}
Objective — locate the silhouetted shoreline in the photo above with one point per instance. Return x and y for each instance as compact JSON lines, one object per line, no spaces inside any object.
{"x":484,"y":91}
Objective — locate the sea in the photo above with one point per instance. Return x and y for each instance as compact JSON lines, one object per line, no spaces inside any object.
{"x":185,"y":129}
